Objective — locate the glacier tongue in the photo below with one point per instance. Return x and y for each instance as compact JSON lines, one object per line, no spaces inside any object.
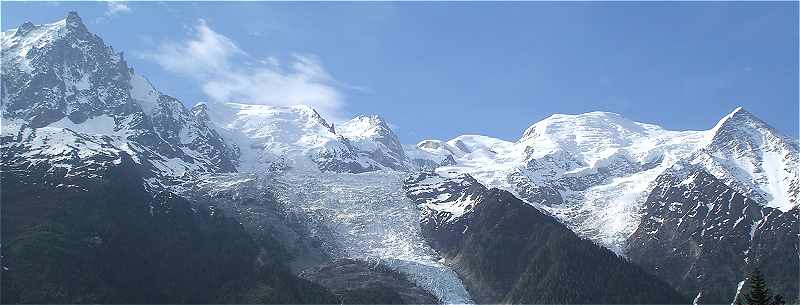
{"x":367,"y":216}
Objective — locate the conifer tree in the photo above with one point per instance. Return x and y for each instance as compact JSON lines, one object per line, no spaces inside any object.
{"x":758,"y":293}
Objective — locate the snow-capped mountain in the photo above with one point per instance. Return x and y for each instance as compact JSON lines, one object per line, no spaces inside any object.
{"x":754,"y":158}
{"x":68,"y":98}
{"x":60,"y":69}
{"x":279,"y":137}
{"x":372,"y":137}
{"x":674,"y":202}
{"x":685,"y":204}
{"x":98,"y":116}
{"x":603,"y":165}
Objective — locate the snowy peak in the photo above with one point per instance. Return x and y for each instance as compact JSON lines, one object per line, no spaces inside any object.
{"x":586,"y":123}
{"x":601,"y":165}
{"x":737,"y":115}
{"x":562,"y":144}
{"x":364,"y":126}
{"x":741,"y":125}
{"x":298,"y":137}
{"x":300,"y":125}
{"x":317,"y":117}
{"x":29,"y":35}
{"x":366,"y":129}
{"x":60,"y":69}
{"x":736,"y":122}
{"x":23,"y":29}
{"x":372,"y":137}
{"x":73,"y":21}
{"x":281,"y":137}
{"x":479,"y":152}
{"x":62,"y":82}
{"x":200,"y":111}
{"x":754,"y":158}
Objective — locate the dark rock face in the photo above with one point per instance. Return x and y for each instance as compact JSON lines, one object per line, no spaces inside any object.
{"x":532,"y":193}
{"x":357,"y":282}
{"x":430,"y":165}
{"x":441,"y":228}
{"x":248,"y":199}
{"x":424,"y":164}
{"x":105,"y":239}
{"x":508,"y":251}
{"x":774,"y":248}
{"x":341,"y":162}
{"x":192,"y":129}
{"x":702,"y":236}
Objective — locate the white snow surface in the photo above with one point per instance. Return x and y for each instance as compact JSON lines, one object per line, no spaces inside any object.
{"x":433,"y":150}
{"x":99,"y":125}
{"x":367,"y":216}
{"x":579,"y":145}
{"x":275,"y":134}
{"x":627,"y":157}
{"x":361,"y":127}
{"x":144,"y":93}
{"x":15,"y":48}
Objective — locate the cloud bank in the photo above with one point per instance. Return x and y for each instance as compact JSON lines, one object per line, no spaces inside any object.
{"x":229,"y":74}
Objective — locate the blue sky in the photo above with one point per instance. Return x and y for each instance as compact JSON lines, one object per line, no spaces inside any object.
{"x":438,"y":70}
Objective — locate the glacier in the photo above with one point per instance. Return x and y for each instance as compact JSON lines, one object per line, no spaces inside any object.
{"x":362,"y":215}
{"x":367,"y":216}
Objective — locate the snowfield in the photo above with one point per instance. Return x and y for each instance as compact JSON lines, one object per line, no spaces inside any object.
{"x":603,"y":165}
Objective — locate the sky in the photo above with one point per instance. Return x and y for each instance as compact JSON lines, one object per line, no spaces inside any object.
{"x":436,"y":70}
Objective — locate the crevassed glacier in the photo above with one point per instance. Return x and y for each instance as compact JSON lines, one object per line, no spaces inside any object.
{"x":368,"y":217}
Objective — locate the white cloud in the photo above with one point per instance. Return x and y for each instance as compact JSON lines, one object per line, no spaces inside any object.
{"x":207,"y":52}
{"x":113,"y":8}
{"x":229,"y":74}
{"x":116,"y":7}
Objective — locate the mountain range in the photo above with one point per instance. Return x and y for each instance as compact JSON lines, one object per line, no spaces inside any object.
{"x":275,"y":204}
